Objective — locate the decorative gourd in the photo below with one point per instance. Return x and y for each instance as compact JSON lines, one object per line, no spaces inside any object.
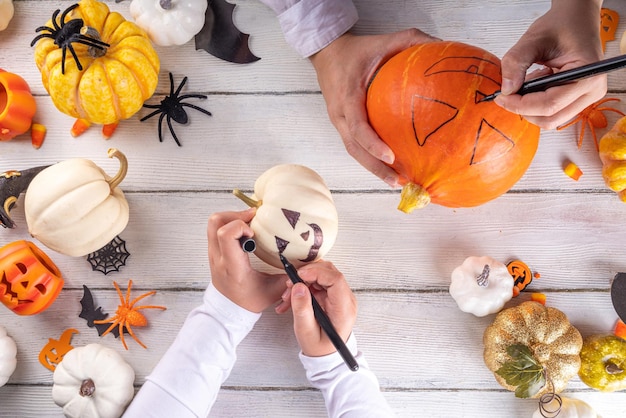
{"x":93,"y":381}
{"x":8,"y":356}
{"x":481,"y":286}
{"x":454,"y":150}
{"x":114,"y":81}
{"x":75,"y":208}
{"x":569,"y":408}
{"x":532,"y":349}
{"x":603,"y":363}
{"x":17,"y":105}
{"x":296,"y":215}
{"x":169,"y":22}
{"x":30,"y":281}
{"x":6,"y":13}
{"x":612,"y":150}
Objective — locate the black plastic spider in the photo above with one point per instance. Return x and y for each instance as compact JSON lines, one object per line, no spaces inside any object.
{"x":65,"y":33}
{"x":172,"y":107}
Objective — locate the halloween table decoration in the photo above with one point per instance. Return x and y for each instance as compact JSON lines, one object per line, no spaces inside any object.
{"x":593,"y":117}
{"x":128,"y":315}
{"x":75,"y":208}
{"x":8,"y":356}
{"x":561,"y":407}
{"x":37,"y":134}
{"x":169,"y":22}
{"x":93,"y":381}
{"x":110,"y":257}
{"x":609,"y":20}
{"x":572,"y":170}
{"x":17,"y":105}
{"x":295,"y":216}
{"x":90,"y":313}
{"x":521,"y":274}
{"x":603,"y":363}
{"x":220,"y":37}
{"x":30,"y":281}
{"x":532,"y":349}
{"x":455,"y":150}
{"x":113,"y":67}
{"x":481,"y":286}
{"x":54,"y":351}
{"x":618,"y":294}
{"x":6,"y":14}
{"x":613,"y":156}
{"x":172,"y":107}
{"x":12,"y":184}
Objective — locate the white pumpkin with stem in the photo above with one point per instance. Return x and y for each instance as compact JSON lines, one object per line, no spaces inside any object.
{"x":8,"y":356}
{"x":481,"y":285}
{"x":75,"y":208}
{"x":568,"y":408}
{"x":295,"y":216}
{"x":6,"y":13}
{"x":169,"y":22}
{"x":93,"y":381}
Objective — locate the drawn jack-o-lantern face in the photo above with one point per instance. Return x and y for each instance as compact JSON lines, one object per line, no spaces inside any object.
{"x":426,"y":104}
{"x":29,"y":280}
{"x":312,"y":234}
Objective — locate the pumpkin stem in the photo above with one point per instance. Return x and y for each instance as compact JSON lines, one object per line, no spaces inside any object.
{"x":87,"y":388}
{"x":413,"y":196}
{"x":247,"y":200}
{"x":612,"y":368}
{"x":115,"y":181}
{"x":483,"y":278}
{"x":165,"y":4}
{"x":94,"y":51}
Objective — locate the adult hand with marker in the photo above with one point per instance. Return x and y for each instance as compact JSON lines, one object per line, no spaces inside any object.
{"x":231,"y":272}
{"x":331,"y":290}
{"x":565,"y":37}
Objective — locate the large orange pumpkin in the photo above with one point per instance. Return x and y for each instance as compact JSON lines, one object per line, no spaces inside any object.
{"x":454,"y":150}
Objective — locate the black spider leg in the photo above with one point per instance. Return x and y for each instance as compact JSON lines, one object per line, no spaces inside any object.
{"x":169,"y":123}
{"x":200,"y":96}
{"x":80,"y":39}
{"x":180,"y":87}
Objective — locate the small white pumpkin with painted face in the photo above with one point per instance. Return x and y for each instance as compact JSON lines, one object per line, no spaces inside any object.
{"x":8,"y":356}
{"x":296,"y":215}
{"x":75,"y":208}
{"x":481,"y":285}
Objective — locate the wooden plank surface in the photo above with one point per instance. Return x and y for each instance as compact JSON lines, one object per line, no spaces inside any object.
{"x":426,"y":353}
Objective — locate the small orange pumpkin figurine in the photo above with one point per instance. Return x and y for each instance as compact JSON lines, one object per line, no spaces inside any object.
{"x":609,"y":20}
{"x":17,"y":105}
{"x":454,"y":149}
{"x":29,"y":280}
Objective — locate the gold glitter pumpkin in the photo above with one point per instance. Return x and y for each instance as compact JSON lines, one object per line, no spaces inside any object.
{"x":551,"y":342}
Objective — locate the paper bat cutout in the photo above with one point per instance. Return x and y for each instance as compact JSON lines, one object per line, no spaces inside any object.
{"x":12,"y":183}
{"x":91,"y":313}
{"x":220,"y":37}
{"x":618,"y":295}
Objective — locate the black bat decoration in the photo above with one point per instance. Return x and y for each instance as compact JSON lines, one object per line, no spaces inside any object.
{"x":220,"y":37}
{"x":12,"y":184}
{"x":91,"y":313}
{"x":618,"y":295}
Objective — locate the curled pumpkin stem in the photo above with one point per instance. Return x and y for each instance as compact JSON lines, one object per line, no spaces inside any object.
{"x":483,"y":278}
{"x":247,"y":200}
{"x":115,"y":181}
{"x":413,"y":196}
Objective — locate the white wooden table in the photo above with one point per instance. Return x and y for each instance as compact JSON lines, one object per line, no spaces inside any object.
{"x":425,"y":351}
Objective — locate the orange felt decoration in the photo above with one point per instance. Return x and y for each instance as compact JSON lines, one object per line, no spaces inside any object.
{"x":30,"y":281}
{"x":521,"y":274}
{"x":593,"y":117}
{"x":454,"y":150}
{"x":620,"y":329}
{"x":609,"y":19}
{"x":53,"y":352}
{"x":17,"y":105}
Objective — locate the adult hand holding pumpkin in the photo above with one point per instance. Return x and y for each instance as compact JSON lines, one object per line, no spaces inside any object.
{"x":231,"y":272}
{"x":567,"y":36}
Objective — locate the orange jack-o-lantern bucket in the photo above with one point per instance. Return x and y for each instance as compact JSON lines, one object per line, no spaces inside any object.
{"x":29,"y":280}
{"x":17,"y":105}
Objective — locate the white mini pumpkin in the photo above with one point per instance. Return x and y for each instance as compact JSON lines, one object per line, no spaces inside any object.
{"x":169,"y":22}
{"x":296,"y":215}
{"x":75,"y":208}
{"x":8,"y":356}
{"x":93,"y":381}
{"x":570,"y":408}
{"x":6,"y":13}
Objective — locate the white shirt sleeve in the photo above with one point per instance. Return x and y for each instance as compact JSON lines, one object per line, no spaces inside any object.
{"x":310,"y":25}
{"x":347,"y":394}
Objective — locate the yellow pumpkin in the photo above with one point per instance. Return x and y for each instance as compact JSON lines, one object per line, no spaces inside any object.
{"x":612,"y":148}
{"x":533,"y":338}
{"x":603,"y":363}
{"x":114,"y":81}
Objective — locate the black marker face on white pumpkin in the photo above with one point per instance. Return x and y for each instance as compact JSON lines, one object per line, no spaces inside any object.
{"x":293,"y":217}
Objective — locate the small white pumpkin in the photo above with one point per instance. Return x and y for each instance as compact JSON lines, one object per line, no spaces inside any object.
{"x":296,"y":215}
{"x":6,"y":13}
{"x":93,"y":381}
{"x":169,"y":22}
{"x":75,"y":208}
{"x":481,"y":285}
{"x":570,"y":408}
{"x":8,"y":356}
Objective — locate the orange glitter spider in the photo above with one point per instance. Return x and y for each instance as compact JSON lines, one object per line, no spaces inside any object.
{"x":128,"y":314}
{"x":592,"y":115}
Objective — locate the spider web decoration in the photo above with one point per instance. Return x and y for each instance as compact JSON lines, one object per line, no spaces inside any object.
{"x":110,"y":257}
